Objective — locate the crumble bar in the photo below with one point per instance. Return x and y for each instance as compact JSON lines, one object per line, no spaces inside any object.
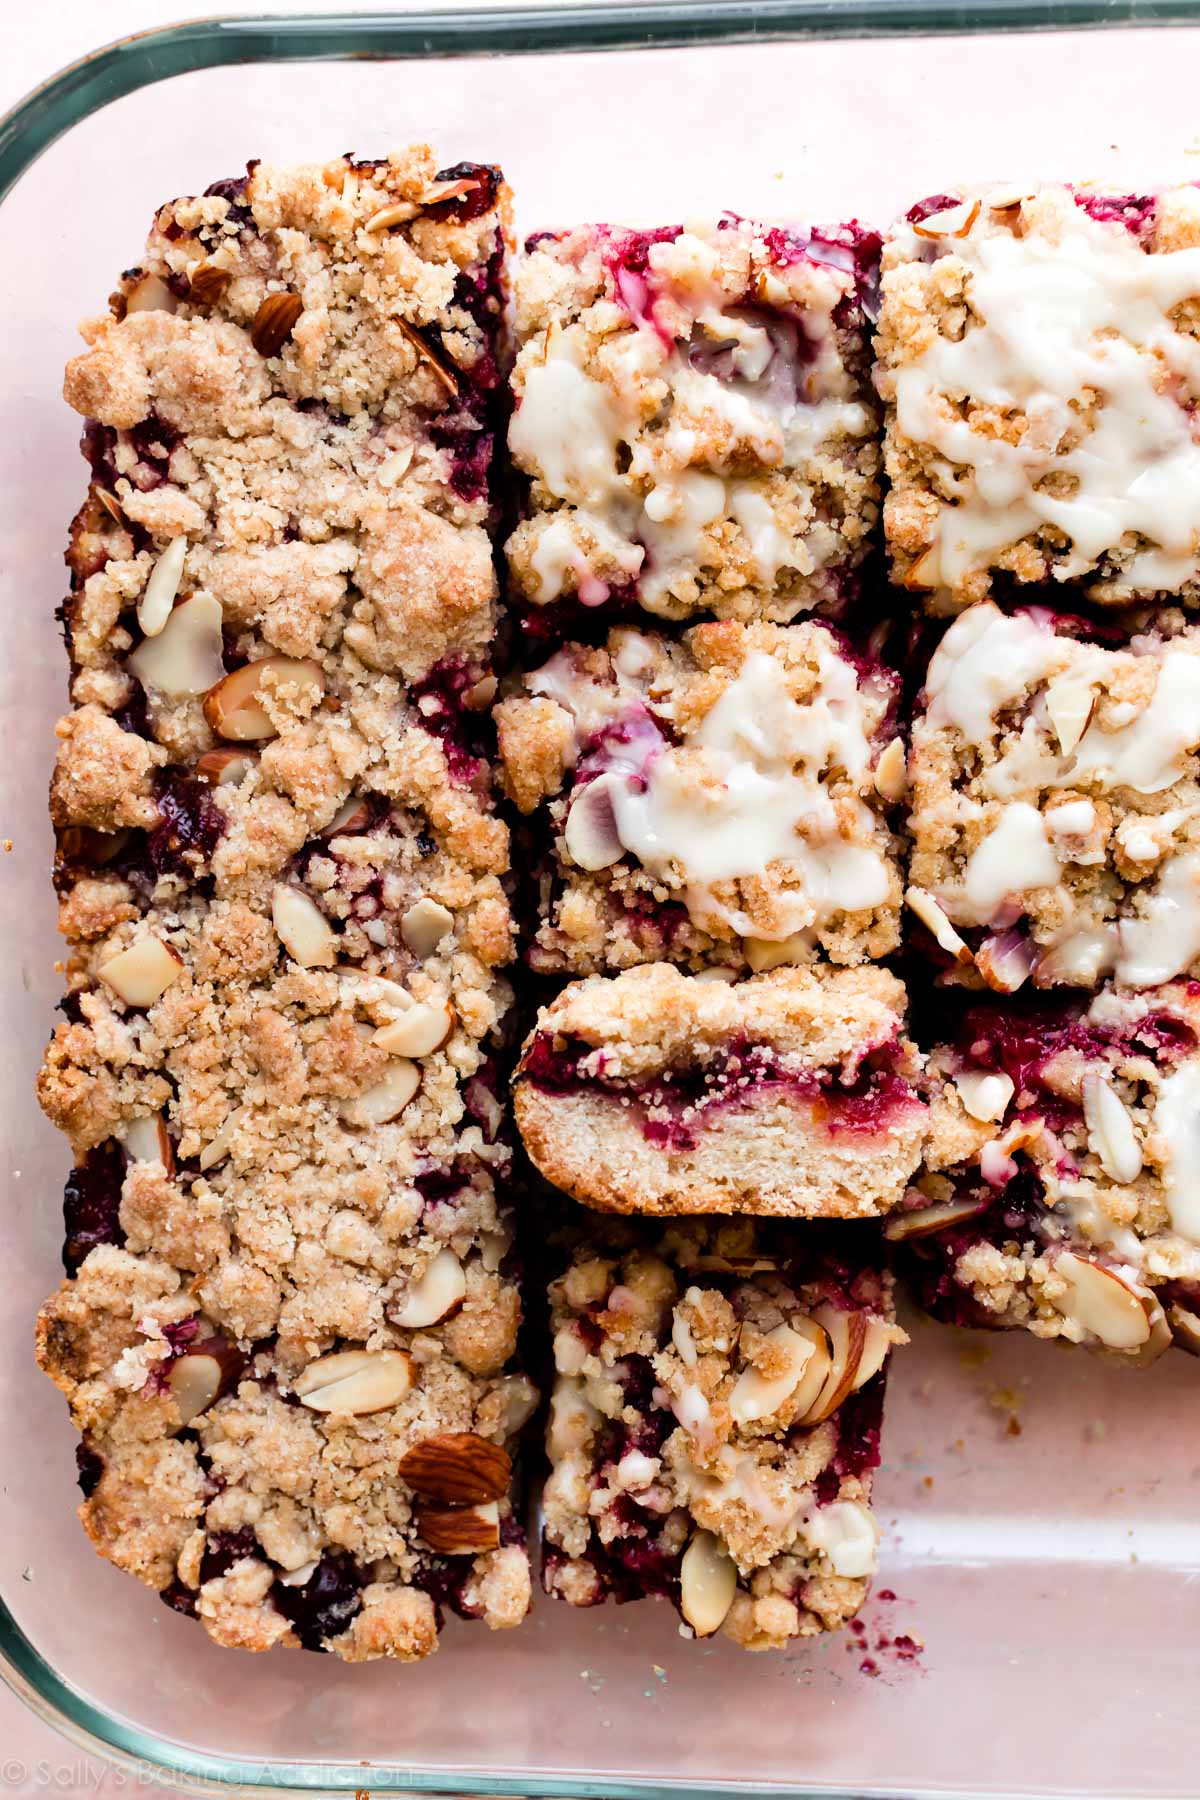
{"x":720,"y":799}
{"x":291,"y":1310}
{"x":794,"y":1093}
{"x":715,"y":1422}
{"x":1056,"y":800}
{"x":694,"y":415}
{"x":1037,"y":353}
{"x":1059,"y":1193}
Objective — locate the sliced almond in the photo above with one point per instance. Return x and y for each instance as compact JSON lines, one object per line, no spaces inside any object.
{"x":150,"y":294}
{"x":1101,"y":1303}
{"x":757,"y":1396}
{"x":387,"y":1099}
{"x":520,"y":1402}
{"x":186,"y":655}
{"x":111,"y":505}
{"x":302,"y":927}
{"x":984,"y":1096}
{"x":146,"y":1140}
{"x":299,"y":1577}
{"x":274,"y":322}
{"x":479,"y":696}
{"x":400,"y":212}
{"x":1005,"y":960}
{"x":154,"y":607}
{"x":429,"y":357}
{"x":816,"y":1371}
{"x":1111,"y":1134}
{"x":424,"y":926}
{"x":1160,"y":1339}
{"x":194,"y":1380}
{"x":936,"y":921}
{"x":459,"y":1530}
{"x":439,"y":1293}
{"x":142,"y":973}
{"x":458,"y":1467}
{"x":881,"y":1337}
{"x":707,"y":1583}
{"x":437,"y":191}
{"x":1069,"y":703}
{"x":951,"y":222}
{"x":353,"y":815}
{"x":224,"y":768}
{"x":1004,"y":198}
{"x":393,"y":468}
{"x":234,"y":707}
{"x":1080,"y":959}
{"x":591,"y":833}
{"x":770,"y":953}
{"x":847,"y":1335}
{"x":424,"y":1028}
{"x":221,"y":1142}
{"x":356,"y":1381}
{"x":926,"y":572}
{"x":922,"y":1221}
{"x":891,"y":772}
{"x":1185,"y":1327}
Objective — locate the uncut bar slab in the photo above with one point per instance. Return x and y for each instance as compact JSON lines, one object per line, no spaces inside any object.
{"x":718,"y":800}
{"x":1059,"y":1188}
{"x":1055,"y":802}
{"x":1037,"y":355}
{"x":715,"y":1424}
{"x":793,"y":1093}
{"x":694,"y":419}
{"x":288,"y":1328}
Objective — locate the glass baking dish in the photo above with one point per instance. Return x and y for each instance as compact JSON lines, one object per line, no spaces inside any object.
{"x":1036,"y":1503}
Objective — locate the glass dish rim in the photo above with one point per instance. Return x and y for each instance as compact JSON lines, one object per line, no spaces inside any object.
{"x":117,"y":69}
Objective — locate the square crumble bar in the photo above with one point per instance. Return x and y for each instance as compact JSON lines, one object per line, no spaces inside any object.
{"x":290,"y":1314}
{"x":1055,"y":802}
{"x":1059,"y":1190}
{"x":695,"y":419}
{"x":715,"y":1423}
{"x":1037,"y":354}
{"x":718,"y":800}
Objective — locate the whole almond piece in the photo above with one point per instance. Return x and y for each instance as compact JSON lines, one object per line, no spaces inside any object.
{"x":274,"y":322}
{"x":460,"y":1530}
{"x":207,"y":283}
{"x":457,"y":1467}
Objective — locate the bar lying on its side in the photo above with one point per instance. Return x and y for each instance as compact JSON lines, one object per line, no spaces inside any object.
{"x":794,"y":1093}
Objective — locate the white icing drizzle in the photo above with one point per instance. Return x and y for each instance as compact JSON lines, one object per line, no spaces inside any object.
{"x":984,"y":662}
{"x":1177,"y":1122}
{"x":846,"y":1533}
{"x":1015,"y":857}
{"x":760,"y":799}
{"x":1076,"y":335}
{"x":1164,"y":938}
